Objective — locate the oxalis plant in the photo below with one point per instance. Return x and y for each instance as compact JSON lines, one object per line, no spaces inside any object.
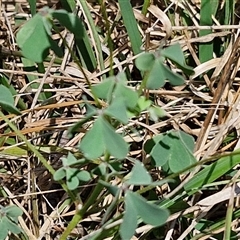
{"x":104,"y":149}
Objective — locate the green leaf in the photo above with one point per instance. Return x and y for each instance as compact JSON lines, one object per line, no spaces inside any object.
{"x":70,"y":21}
{"x":150,"y":213}
{"x":174,"y":147}
{"x":175,"y":54}
{"x":144,"y":103}
{"x":83,"y":176}
{"x":129,"y":224}
{"x":145,"y":61}
{"x":100,"y":169}
{"x":111,"y":188}
{"x":59,"y":174}
{"x":13,"y":211}
{"x":114,"y":143}
{"x":174,"y":78}
{"x":129,"y":96}
{"x":156,"y":112}
{"x":12,"y":227}
{"x":158,"y":153}
{"x":104,"y":89}
{"x":102,"y":137}
{"x":33,"y":39}
{"x":4,"y":229}
{"x":213,"y":171}
{"x":72,"y":180}
{"x":7,"y":101}
{"x":117,"y":109}
{"x":71,"y":159}
{"x":156,"y":77}
{"x":92,"y":144}
{"x":4,"y":80}
{"x":139,"y":175}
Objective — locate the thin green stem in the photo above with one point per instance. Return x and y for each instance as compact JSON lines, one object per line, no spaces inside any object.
{"x":146,"y":4}
{"x":95,"y":35}
{"x":80,"y":213}
{"x":109,"y":39}
{"x":76,"y":60}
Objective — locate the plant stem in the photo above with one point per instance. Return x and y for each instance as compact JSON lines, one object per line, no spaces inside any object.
{"x":80,"y":213}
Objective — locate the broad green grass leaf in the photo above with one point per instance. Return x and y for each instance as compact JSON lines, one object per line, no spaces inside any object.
{"x":70,"y":21}
{"x":92,"y":145}
{"x":117,"y":109}
{"x":149,"y":212}
{"x":33,"y":39}
{"x":114,"y":143}
{"x":15,"y":151}
{"x":156,"y":78}
{"x":13,"y":211}
{"x":94,"y":31}
{"x":86,"y":52}
{"x":205,"y":49}
{"x":7,"y":101}
{"x":33,"y":4}
{"x":145,"y":61}
{"x":213,"y":171}
{"x":139,"y":175}
{"x":131,"y":25}
{"x":229,"y":11}
{"x":69,"y":5}
{"x":129,"y":224}
{"x":59,"y":174}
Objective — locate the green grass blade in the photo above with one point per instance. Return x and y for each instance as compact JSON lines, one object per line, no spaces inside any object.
{"x":229,"y":12}
{"x":96,"y":39}
{"x":146,"y":4}
{"x":228,"y":223}
{"x":68,"y":5}
{"x":205,"y":49}
{"x":85,"y":52}
{"x":32,"y":4}
{"x":131,"y":25}
{"x":213,"y":171}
